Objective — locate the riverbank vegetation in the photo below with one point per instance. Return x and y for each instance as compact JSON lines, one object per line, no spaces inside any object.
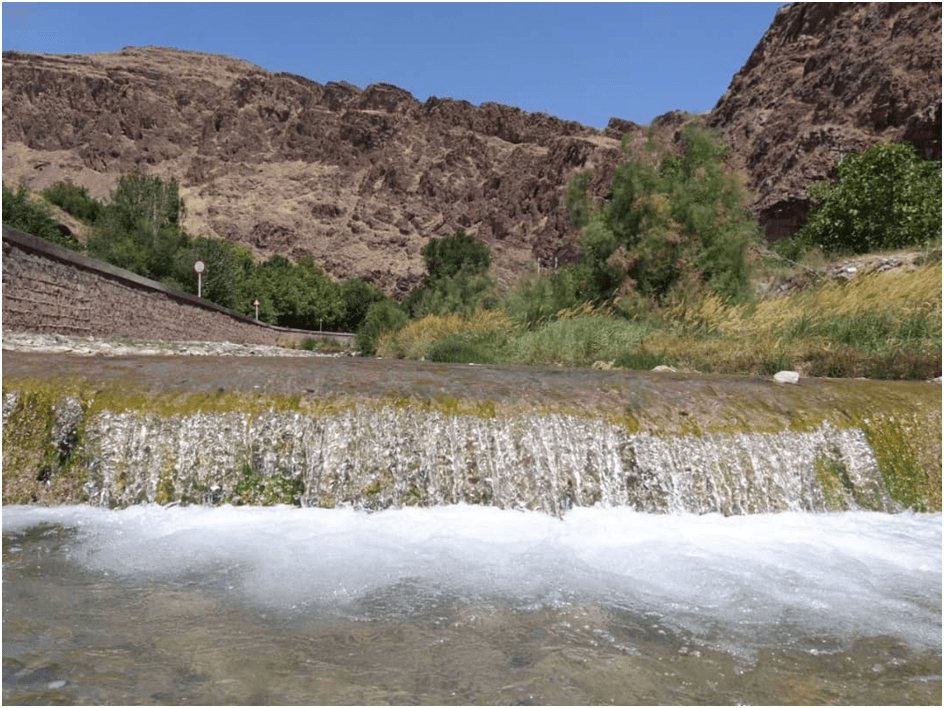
{"x":670,"y":270}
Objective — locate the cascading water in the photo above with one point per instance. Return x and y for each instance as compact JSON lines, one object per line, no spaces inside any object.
{"x":381,"y":458}
{"x":560,"y":559}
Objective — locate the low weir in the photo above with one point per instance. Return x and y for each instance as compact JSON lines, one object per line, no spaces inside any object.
{"x":380,"y":454}
{"x":254,"y":531}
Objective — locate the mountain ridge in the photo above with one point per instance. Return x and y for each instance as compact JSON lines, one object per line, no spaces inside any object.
{"x":361,"y":179}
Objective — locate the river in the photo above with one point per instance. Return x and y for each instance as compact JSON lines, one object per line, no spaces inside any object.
{"x":465,"y":604}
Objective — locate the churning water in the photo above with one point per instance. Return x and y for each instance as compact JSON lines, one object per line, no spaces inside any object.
{"x":462,"y":604}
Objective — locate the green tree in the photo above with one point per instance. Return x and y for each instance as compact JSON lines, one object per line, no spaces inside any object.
{"x":139,"y":229}
{"x":576,"y":200}
{"x":456,"y":277}
{"x":220,"y":281}
{"x":673,"y":216}
{"x":297,"y":294}
{"x":885,"y":197}
{"x":455,"y":254}
{"x":536,"y":299}
{"x":22,"y":212}
{"x":383,"y":316}
{"x":138,"y":197}
{"x":463,"y":294}
{"x":357,"y":295}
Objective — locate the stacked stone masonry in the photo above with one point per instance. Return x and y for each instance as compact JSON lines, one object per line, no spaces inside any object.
{"x":50,"y":289}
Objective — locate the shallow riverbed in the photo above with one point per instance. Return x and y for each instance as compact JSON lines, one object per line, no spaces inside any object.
{"x":461,"y":604}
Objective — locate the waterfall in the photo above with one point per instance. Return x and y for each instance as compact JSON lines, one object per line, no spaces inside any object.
{"x":390,"y":457}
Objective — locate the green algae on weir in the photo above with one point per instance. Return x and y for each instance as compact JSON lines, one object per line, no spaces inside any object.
{"x":901,"y":422}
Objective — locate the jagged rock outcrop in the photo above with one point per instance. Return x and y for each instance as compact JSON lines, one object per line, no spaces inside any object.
{"x":360,"y":179}
{"x":824,"y":80}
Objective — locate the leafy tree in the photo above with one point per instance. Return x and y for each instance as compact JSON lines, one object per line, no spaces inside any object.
{"x":576,"y":200}
{"x":672,"y":216}
{"x":33,"y":217}
{"x":885,"y":197}
{"x":219,"y":282}
{"x":455,"y":254}
{"x":138,"y":197}
{"x":139,"y":229}
{"x":296,"y":295}
{"x":357,"y":295}
{"x":456,"y":277}
{"x":463,"y":294}
{"x":141,"y":249}
{"x":537,"y":299}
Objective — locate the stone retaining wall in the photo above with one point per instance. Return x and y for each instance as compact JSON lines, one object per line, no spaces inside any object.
{"x":51,"y":289}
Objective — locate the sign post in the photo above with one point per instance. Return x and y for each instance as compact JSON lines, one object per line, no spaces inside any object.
{"x":199,"y":268}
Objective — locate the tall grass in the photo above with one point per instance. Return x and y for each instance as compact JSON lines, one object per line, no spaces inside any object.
{"x":580,"y":341}
{"x":881,"y":325}
{"x":481,"y":338}
{"x":878,"y":325}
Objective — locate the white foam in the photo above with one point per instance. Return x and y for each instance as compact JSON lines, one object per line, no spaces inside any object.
{"x":765,"y":579}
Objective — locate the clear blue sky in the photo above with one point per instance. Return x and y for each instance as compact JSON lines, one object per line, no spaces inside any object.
{"x":581,"y":61}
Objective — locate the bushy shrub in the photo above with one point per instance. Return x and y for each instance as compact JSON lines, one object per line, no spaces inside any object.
{"x":357,"y":296}
{"x":418,"y":338}
{"x":580,"y":341}
{"x":34,"y":217}
{"x":465,"y":349}
{"x":456,"y":278}
{"x":463,"y":294}
{"x":383,"y":317}
{"x":75,"y":200}
{"x":672,"y":215}
{"x":458,"y":253}
{"x":536,"y":299}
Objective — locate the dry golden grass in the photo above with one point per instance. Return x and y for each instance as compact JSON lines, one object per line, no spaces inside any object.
{"x":877,"y":324}
{"x":416,"y":338}
{"x":900,"y":292}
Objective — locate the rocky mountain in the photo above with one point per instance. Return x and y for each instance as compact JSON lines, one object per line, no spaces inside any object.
{"x":361,"y":179}
{"x":824,"y":80}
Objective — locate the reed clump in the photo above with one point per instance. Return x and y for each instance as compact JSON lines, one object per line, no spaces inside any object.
{"x":884,"y":325}
{"x":481,"y":338}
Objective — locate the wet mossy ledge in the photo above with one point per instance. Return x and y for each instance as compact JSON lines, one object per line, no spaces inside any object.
{"x":708,"y":445}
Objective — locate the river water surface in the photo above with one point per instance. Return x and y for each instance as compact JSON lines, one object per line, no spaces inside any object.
{"x":461,"y":604}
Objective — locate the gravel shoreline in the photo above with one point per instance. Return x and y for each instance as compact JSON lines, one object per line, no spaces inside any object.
{"x":95,"y":346}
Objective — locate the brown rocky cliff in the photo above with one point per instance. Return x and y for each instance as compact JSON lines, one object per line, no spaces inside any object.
{"x":359,"y":179}
{"x":824,"y":80}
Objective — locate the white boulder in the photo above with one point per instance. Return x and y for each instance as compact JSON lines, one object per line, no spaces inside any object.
{"x":787,"y":377}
